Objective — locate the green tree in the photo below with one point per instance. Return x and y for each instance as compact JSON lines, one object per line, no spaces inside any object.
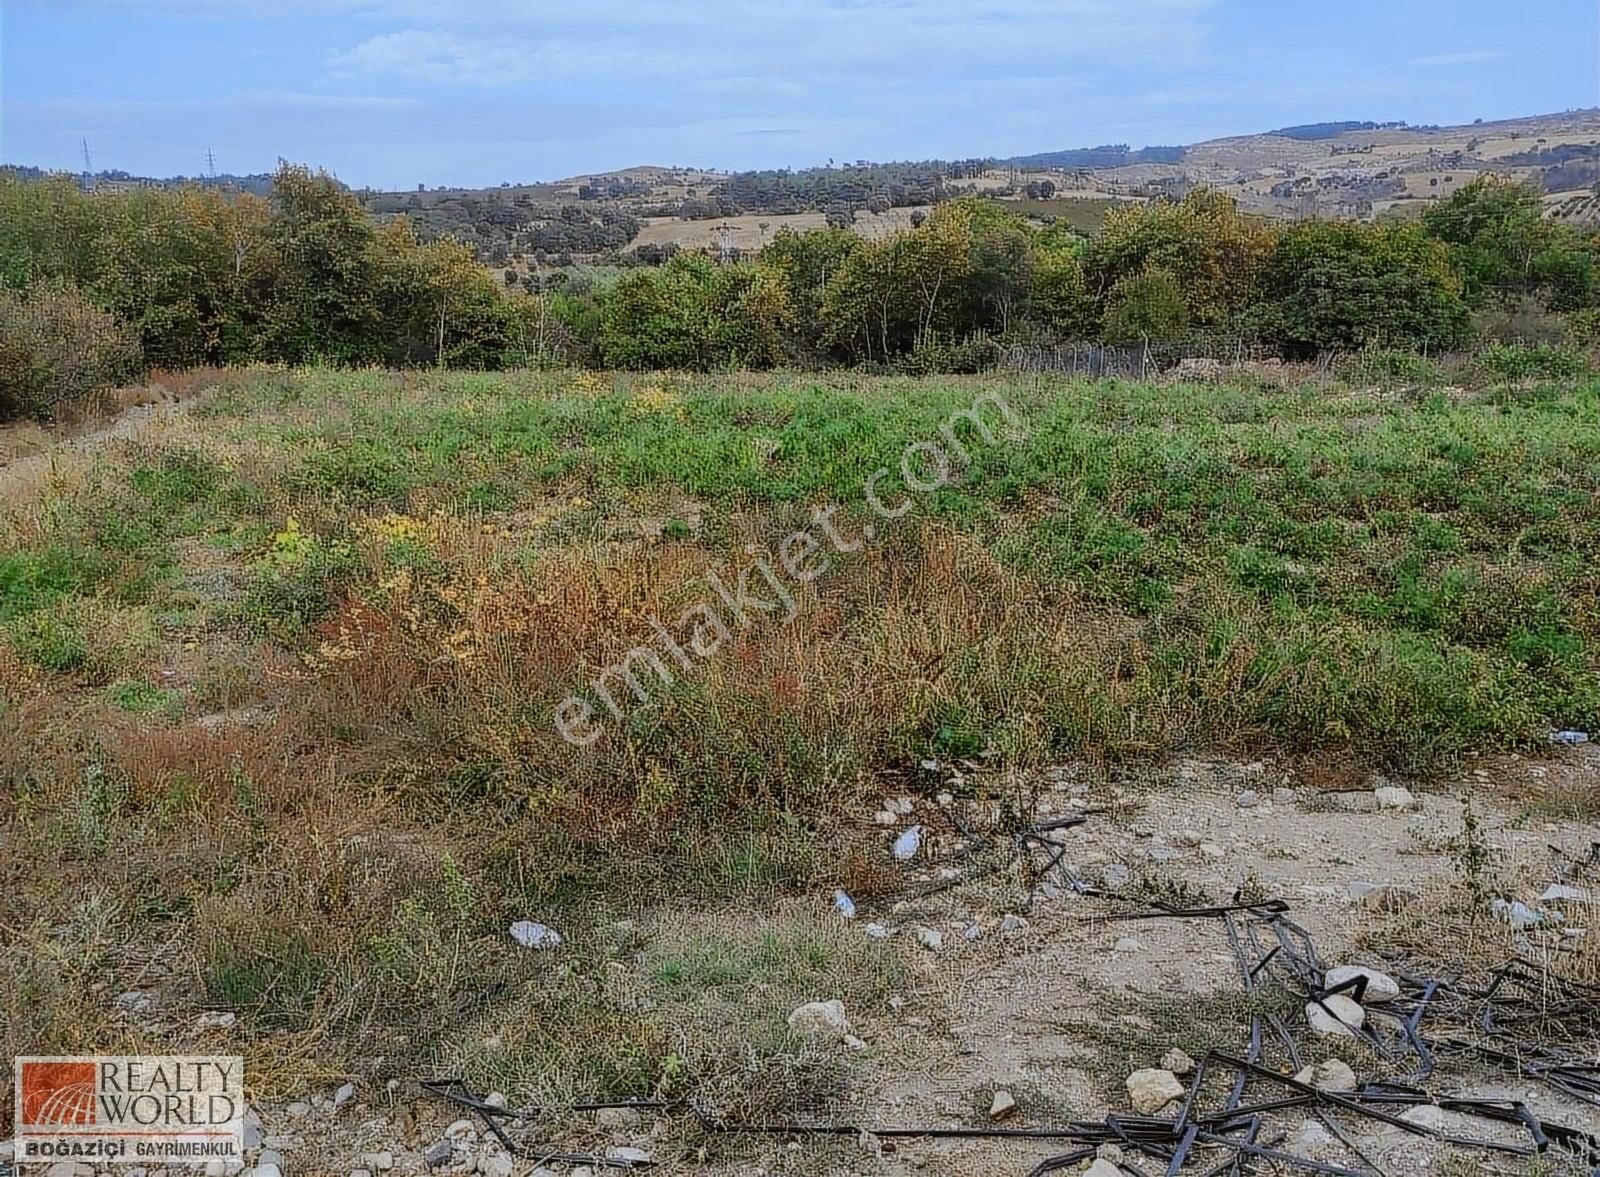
{"x":1501,"y":245}
{"x":1344,"y":286}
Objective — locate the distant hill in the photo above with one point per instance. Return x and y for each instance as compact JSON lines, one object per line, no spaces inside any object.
{"x":1112,"y":155}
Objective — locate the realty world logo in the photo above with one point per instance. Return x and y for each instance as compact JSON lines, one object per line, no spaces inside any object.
{"x":130,"y":1108}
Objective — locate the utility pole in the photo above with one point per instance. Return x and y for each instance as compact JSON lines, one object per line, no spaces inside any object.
{"x":88,"y":167}
{"x":211,"y":162}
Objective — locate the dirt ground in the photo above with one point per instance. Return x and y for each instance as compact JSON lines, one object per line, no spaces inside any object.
{"x":1057,"y":1006}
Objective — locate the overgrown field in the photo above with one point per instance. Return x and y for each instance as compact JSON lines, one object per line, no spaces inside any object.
{"x":279,"y":677}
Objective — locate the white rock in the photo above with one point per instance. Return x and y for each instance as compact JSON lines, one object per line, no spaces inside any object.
{"x":1212,"y":850}
{"x":930,"y":938}
{"x":973,"y":932}
{"x":1394,"y":797}
{"x":499,"y":1164}
{"x":344,"y":1095}
{"x":1329,"y":1075}
{"x":1341,"y":1019}
{"x":845,"y":905}
{"x":1313,"y":1135}
{"x":1012,"y":924}
{"x":1102,"y":1168}
{"x":1003,"y":1104}
{"x":885,"y":817}
{"x":1177,"y":1061}
{"x":1152,"y":1089}
{"x":531,"y":934}
{"x":496,"y":1099}
{"x":876,"y":932}
{"x":625,"y":1152}
{"x":1559,"y":893}
{"x":907,"y":844}
{"x":462,"y":1131}
{"x":1381,"y":987}
{"x":1128,"y":944}
{"x":820,"y":1019}
{"x":378,"y":1162}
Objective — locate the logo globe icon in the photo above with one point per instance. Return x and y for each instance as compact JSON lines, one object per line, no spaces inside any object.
{"x":58,"y":1093}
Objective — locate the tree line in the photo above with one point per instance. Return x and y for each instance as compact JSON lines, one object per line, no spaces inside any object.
{"x":175,"y":278}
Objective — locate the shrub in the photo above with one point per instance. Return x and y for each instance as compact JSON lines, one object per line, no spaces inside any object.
{"x":58,"y":350}
{"x":1379,"y":365}
{"x":1146,"y":305}
{"x":1540,"y":361}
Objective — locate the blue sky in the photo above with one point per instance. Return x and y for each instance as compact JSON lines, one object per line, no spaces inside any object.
{"x":393,"y":93}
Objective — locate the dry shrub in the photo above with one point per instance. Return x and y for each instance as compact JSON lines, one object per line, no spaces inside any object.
{"x":57,"y":349}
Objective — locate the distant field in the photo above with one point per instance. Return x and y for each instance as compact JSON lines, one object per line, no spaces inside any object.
{"x":754,"y":230}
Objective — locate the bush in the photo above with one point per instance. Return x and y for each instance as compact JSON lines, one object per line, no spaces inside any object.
{"x":58,"y":350}
{"x":1148,"y":305}
{"x":1540,"y":361}
{"x":1376,"y":365}
{"x":1519,"y":319}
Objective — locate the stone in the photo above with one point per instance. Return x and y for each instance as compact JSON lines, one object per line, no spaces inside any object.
{"x":1212,"y":850}
{"x":885,"y":817}
{"x":930,"y":938}
{"x":531,"y":934}
{"x":1111,"y":1152}
{"x":1128,"y":944}
{"x":439,"y":1153}
{"x":907,"y":844}
{"x":1560,"y":893}
{"x":1383,"y":897}
{"x":625,"y":1152}
{"x":973,"y":932}
{"x":497,"y":1099}
{"x":1570,"y":738}
{"x":1313,"y":1135}
{"x":498,"y":1164}
{"x":360,"y":1173}
{"x":1328,"y":1075}
{"x":378,"y":1162}
{"x":261,"y":1170}
{"x":1283,"y":795}
{"x":1002,"y":1105}
{"x":1247,"y":799}
{"x":462,"y":1132}
{"x":1116,"y":876}
{"x":1394,"y":797}
{"x":1341,"y":1018}
{"x":1102,"y":1168}
{"x":1177,"y":1061}
{"x":1381,"y":987}
{"x":344,"y":1095}
{"x":1519,"y":915}
{"x":820,"y":1019}
{"x":876,"y":932}
{"x":1012,"y":924}
{"x":844,"y":905}
{"x":1152,"y":1089}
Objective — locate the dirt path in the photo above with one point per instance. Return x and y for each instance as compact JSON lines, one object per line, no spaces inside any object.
{"x":30,"y":456}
